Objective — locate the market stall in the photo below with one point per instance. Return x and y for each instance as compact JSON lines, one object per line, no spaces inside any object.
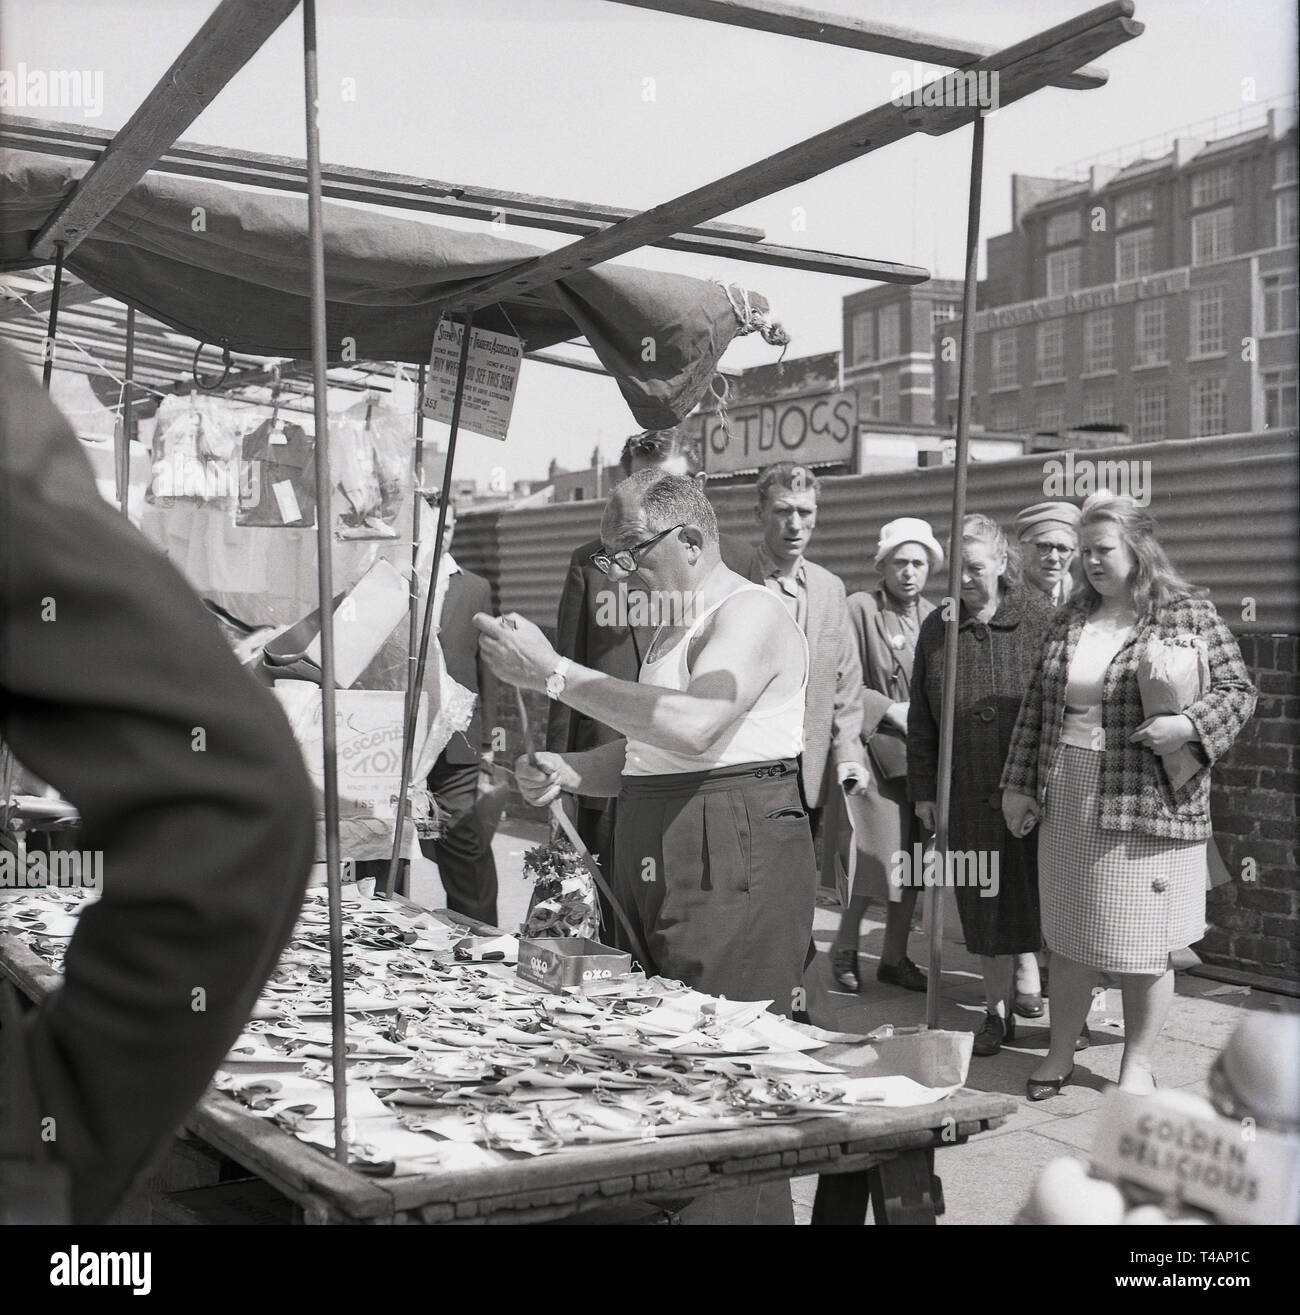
{"x":247,"y":282}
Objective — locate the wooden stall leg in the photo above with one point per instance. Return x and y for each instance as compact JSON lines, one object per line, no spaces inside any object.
{"x":903,"y":1188}
{"x":841,"y":1198}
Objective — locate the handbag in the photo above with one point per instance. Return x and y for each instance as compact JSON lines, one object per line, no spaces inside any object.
{"x":888,"y":753}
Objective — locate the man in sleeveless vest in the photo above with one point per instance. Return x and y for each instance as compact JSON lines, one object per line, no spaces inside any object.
{"x":713,"y":858}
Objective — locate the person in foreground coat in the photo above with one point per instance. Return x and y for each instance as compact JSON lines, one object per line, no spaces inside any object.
{"x":117,"y":688}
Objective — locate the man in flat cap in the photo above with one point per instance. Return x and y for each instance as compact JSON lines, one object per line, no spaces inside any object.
{"x":1049,"y":539}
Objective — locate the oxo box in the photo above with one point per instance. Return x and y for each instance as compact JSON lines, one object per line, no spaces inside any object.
{"x":560,"y":962}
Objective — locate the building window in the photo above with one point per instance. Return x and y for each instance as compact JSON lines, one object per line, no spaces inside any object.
{"x":1280,"y":398}
{"x":1152,"y":406}
{"x":1066,"y":227}
{"x":1207,"y":321}
{"x":1279,"y":294}
{"x":1135,"y":206}
{"x":1284,"y":167}
{"x":1098,"y":341}
{"x":1212,"y":185}
{"x":1005,"y":418}
{"x":1135,"y":254}
{"x":888,"y":332}
{"x":1063,"y":268}
{"x":1050,"y":417}
{"x":1208,"y":398}
{"x":1285,"y":208}
{"x":889,"y":396}
{"x":1005,"y":373}
{"x":1099,"y":407}
{"x":1050,"y":349}
{"x":864,"y":336}
{"x":940,"y":311}
{"x":1212,"y":235}
{"x":1150,"y":346}
{"x":869,"y":397}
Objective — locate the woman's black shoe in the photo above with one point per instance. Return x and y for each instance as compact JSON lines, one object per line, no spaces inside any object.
{"x":904,"y":973}
{"x":1046,"y":1088}
{"x":989,"y":1039}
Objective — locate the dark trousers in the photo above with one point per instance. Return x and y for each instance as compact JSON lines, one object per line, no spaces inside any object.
{"x":463,"y":852}
{"x":717,"y":870}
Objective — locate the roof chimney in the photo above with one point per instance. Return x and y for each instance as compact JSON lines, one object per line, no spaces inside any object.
{"x":1185,"y":149}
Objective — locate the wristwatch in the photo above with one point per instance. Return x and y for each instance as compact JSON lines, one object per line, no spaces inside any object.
{"x":555,"y":681}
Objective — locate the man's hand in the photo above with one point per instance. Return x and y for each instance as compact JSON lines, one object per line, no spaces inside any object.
{"x":1019,"y":812}
{"x":516,"y":649}
{"x":926,"y":811}
{"x":854,"y":777}
{"x":542,"y":782}
{"x":1165,"y":734}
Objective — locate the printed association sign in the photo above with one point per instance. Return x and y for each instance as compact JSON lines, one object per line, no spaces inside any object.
{"x":805,"y":429}
{"x":491,"y":377}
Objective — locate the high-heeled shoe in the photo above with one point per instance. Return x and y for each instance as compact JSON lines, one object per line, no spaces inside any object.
{"x":844,"y":969}
{"x":1046,"y":1088}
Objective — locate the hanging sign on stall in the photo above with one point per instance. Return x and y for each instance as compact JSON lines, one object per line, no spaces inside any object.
{"x":813,"y":429}
{"x":491,"y":376}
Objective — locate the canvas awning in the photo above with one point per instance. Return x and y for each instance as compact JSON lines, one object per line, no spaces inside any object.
{"x":222,"y":263}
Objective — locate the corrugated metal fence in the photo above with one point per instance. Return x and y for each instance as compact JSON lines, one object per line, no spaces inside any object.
{"x":1228,"y":509}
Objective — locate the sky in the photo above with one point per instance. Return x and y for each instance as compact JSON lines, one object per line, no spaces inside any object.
{"x":604,"y":103}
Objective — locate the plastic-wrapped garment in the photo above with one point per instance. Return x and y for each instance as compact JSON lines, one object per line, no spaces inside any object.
{"x":371,"y":450}
{"x":277,"y":477}
{"x":194,"y":452}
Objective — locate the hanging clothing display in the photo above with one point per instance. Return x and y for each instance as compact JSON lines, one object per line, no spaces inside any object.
{"x":194,"y":452}
{"x":277,"y":477}
{"x":370,"y":447}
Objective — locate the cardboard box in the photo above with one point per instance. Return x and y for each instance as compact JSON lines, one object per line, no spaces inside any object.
{"x":368,"y":732}
{"x":560,"y":962}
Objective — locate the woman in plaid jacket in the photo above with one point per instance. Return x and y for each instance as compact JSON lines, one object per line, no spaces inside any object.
{"x":1121,"y":852}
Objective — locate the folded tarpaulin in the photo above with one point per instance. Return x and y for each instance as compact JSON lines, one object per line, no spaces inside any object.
{"x":223,"y":263}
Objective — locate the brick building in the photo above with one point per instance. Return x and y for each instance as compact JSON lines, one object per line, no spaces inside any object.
{"x":1158,"y":299}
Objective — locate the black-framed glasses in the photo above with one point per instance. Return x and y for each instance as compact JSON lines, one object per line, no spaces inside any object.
{"x":628,"y":559}
{"x":1053,"y":549}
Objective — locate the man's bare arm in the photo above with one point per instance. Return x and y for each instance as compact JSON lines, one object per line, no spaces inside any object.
{"x":740,"y":657}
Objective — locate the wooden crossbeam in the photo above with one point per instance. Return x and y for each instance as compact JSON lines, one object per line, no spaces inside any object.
{"x":73,"y":293}
{"x":1023,"y":68}
{"x":232,"y":35}
{"x":851,"y":33}
{"x":404,"y":192}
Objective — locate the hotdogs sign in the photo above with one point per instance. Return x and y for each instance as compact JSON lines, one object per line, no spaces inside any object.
{"x":806,"y":429}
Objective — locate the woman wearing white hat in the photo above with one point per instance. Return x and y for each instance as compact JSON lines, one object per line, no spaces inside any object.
{"x":886,"y":623}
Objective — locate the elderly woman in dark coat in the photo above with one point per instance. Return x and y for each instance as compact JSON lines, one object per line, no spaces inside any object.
{"x":1001,"y":626}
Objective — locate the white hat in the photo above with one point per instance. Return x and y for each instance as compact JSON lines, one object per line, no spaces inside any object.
{"x":909,"y":529}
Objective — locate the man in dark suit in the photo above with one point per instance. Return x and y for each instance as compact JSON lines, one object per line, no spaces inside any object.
{"x":589,"y":629}
{"x":463,"y":852}
{"x":110,"y":668}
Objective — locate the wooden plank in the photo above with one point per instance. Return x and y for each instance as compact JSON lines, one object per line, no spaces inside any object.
{"x":1024,"y":68}
{"x":232,"y":35}
{"x":408,"y":193}
{"x":842,"y":1198}
{"x":285,"y":173}
{"x":846,"y":31}
{"x":902,"y":1190}
{"x":73,"y":293}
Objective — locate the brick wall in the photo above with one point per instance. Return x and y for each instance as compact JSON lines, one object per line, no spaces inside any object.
{"x":1255,"y":918}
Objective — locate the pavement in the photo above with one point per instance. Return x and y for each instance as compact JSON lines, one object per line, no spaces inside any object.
{"x":986,"y":1180}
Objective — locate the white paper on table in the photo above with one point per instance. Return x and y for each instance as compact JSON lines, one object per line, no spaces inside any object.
{"x":895,"y":1092}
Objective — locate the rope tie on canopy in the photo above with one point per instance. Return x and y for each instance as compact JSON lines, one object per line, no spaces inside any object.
{"x":751,"y":319}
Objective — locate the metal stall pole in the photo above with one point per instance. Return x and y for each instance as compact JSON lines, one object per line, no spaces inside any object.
{"x":127,"y":428}
{"x":413,"y":693}
{"x":413,"y":633}
{"x":325,"y":580}
{"x":948,"y":707}
{"x":47,"y":366}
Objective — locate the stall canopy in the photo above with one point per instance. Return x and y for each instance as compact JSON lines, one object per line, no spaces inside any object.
{"x":229,"y":266}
